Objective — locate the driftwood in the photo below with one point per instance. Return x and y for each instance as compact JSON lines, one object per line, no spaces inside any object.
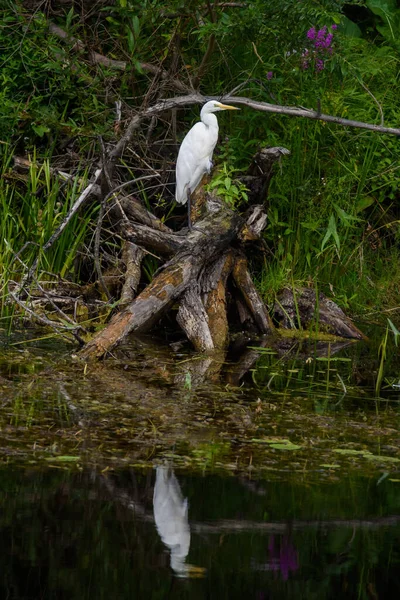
{"x":303,"y":308}
{"x":180,"y":277}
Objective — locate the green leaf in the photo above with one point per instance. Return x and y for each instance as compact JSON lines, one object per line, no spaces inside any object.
{"x":136,"y":26}
{"x":288,"y":446}
{"x":344,"y":216}
{"x":63,"y":458}
{"x":40,"y":130}
{"x":396,"y":332}
{"x":131,"y":40}
{"x":277,"y":443}
{"x":382,"y":458}
{"x":351,"y":452}
{"x":331,"y":232}
{"x":349,"y":28}
{"x":364,"y":202}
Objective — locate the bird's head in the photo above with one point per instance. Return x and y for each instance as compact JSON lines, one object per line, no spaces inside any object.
{"x":215,"y":106}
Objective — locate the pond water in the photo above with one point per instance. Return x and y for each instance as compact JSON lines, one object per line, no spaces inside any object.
{"x":272,"y":472}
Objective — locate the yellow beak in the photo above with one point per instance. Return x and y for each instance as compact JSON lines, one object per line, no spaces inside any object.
{"x":227,"y":107}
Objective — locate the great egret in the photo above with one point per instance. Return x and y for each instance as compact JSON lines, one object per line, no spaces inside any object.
{"x":171,"y":517}
{"x":195,"y":153}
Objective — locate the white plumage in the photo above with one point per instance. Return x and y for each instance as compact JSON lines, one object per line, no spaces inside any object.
{"x":171,"y":517}
{"x":195,"y":153}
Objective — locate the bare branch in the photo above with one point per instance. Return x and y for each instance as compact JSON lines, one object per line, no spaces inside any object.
{"x":53,"y":324}
{"x":204,"y":62}
{"x":305,"y":113}
{"x":182,"y":101}
{"x":110,"y":63}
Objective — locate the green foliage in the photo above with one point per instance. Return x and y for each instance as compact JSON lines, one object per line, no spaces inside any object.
{"x":31,"y":210}
{"x":231,"y":190}
{"x":333,"y":206}
{"x":44,"y":88}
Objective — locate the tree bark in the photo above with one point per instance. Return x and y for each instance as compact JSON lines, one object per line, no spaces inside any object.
{"x":202,"y":245}
{"x":251,"y":296}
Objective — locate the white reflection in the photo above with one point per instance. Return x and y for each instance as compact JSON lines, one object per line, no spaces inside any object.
{"x":171,"y":517}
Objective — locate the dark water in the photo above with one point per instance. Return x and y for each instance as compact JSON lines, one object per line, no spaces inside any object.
{"x":92,"y":535}
{"x":273,"y":472}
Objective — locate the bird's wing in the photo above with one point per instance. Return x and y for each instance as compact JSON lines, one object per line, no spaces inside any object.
{"x":193,"y":159}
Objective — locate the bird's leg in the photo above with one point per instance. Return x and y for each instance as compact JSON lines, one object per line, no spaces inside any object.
{"x":189,"y":207}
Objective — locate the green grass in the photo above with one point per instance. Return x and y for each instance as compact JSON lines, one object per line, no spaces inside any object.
{"x":31,"y":209}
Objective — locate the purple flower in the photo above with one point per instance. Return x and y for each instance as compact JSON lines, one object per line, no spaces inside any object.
{"x":270,"y":75}
{"x":321,"y":33}
{"x":334,"y":26}
{"x":328,"y":40}
{"x":311,"y":33}
{"x":319,"y":64}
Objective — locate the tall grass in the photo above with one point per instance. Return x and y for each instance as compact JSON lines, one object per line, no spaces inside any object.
{"x":32,"y":206}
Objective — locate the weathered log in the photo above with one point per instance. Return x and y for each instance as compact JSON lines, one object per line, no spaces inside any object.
{"x":130,"y":209}
{"x":158,"y":241}
{"x":251,"y":296}
{"x":259,"y":174}
{"x":132,"y":257}
{"x":203,"y":244}
{"x":255,"y":224}
{"x":245,"y":317}
{"x":214,"y":284}
{"x":302,"y":307}
{"x":193,"y":319}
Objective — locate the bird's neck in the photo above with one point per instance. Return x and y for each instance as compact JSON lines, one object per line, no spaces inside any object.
{"x":210,"y":120}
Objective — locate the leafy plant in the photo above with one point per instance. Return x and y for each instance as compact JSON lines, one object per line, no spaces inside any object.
{"x":233,"y":191}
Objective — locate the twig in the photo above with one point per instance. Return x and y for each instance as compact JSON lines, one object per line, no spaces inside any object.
{"x":56,"y":326}
{"x":108,"y":186}
{"x":171,"y":15}
{"x":62,"y":314}
{"x":48,"y":297}
{"x":205,"y":59}
{"x":110,"y":63}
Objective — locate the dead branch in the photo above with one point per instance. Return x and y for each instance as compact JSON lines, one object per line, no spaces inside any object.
{"x":121,"y":65}
{"x":214,"y":287}
{"x":222,"y":5}
{"x":305,"y":113}
{"x":160,"y":242}
{"x":251,"y":296}
{"x":195,"y":98}
{"x":193,"y":319}
{"x":57,"y":327}
{"x":204,"y":61}
{"x":77,"y":205}
{"x":132,"y":257}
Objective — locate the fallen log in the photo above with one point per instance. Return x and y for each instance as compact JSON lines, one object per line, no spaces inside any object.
{"x":304,"y":308}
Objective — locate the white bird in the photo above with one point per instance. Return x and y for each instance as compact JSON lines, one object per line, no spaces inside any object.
{"x":171,"y":517}
{"x":195,"y":153}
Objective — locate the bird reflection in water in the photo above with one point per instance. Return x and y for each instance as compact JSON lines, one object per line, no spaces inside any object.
{"x":171,"y":517}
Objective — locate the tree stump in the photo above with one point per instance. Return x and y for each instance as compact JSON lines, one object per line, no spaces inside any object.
{"x":199,"y":265}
